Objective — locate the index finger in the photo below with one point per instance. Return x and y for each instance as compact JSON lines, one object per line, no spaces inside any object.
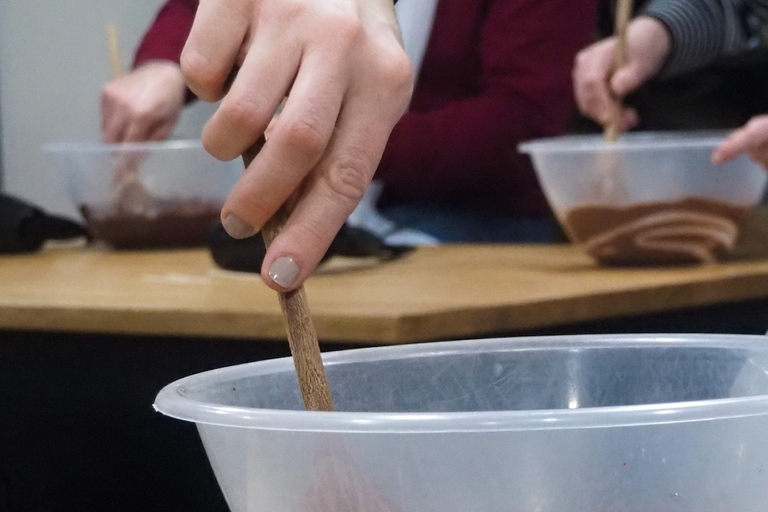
{"x":751,"y":136}
{"x":296,"y":143}
{"x":331,"y":192}
{"x":590,"y":80}
{"x":735,"y":144}
{"x":213,"y":46}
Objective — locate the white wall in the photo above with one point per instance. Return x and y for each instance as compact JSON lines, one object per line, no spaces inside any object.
{"x":53,"y":63}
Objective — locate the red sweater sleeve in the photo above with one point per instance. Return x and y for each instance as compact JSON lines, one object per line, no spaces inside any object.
{"x":470,"y":110}
{"x":165,"y":39}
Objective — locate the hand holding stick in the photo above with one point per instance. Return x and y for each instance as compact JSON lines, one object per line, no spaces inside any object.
{"x":302,"y":338}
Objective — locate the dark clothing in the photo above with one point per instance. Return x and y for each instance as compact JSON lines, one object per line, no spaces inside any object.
{"x":724,"y":94}
{"x":704,"y":31}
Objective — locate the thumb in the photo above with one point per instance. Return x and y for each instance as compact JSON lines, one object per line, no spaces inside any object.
{"x":626,"y":79}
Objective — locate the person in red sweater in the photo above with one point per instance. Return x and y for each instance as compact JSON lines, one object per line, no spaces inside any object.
{"x":495,"y":73}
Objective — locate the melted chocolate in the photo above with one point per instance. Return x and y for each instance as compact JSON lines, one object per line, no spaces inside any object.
{"x":169,"y":223}
{"x":691,"y":230}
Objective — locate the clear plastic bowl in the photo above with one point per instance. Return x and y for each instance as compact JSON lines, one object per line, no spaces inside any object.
{"x":154,"y":194}
{"x":648,"y":197}
{"x":641,"y":423}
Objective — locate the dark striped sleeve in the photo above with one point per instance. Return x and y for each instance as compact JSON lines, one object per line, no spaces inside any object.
{"x":702,"y":30}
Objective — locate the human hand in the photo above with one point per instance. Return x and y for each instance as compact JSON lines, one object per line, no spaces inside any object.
{"x":751,"y":139}
{"x":348,"y":80}
{"x":144,"y":104}
{"x":597,"y":85}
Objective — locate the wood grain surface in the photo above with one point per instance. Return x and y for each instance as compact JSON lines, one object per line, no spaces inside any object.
{"x":432,"y":293}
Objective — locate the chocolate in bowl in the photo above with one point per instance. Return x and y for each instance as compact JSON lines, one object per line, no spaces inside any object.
{"x":689,"y":230}
{"x":648,"y":198}
{"x":167,"y":223}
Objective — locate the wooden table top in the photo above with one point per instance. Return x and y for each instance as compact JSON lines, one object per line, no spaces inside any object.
{"x":433,"y":293}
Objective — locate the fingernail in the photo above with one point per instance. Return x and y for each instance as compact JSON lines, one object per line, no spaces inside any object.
{"x":236,"y":228}
{"x":284,"y":271}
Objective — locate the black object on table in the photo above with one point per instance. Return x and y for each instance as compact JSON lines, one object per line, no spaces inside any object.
{"x":24,"y":227}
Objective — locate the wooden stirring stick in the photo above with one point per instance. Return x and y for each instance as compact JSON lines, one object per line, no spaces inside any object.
{"x":623,"y":13}
{"x":131,"y":196}
{"x":114,"y":51}
{"x":298,"y":322}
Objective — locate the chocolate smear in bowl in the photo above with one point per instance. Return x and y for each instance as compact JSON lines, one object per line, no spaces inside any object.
{"x":689,"y":230}
{"x":167,"y":223}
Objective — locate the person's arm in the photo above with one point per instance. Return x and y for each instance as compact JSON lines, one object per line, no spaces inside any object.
{"x":669,"y":37}
{"x":145,"y":103}
{"x":701,"y":31}
{"x":526,"y":51}
{"x":596,"y":84}
{"x":165,"y":38}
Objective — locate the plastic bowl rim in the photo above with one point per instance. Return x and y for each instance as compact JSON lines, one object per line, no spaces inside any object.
{"x":633,"y":141}
{"x":102,"y":147}
{"x":171,"y":401}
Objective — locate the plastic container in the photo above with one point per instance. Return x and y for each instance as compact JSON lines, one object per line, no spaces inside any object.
{"x":155,"y":194}
{"x":648,"y":197}
{"x":663,"y":423}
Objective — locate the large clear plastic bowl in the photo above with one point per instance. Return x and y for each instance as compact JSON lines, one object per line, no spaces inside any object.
{"x":656,"y":423}
{"x":640,"y":168}
{"x":176,"y":189}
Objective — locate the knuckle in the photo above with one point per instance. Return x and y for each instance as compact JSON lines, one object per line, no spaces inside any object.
{"x":109,"y":93}
{"x":253,"y":207}
{"x":748,"y":134}
{"x":291,"y":10}
{"x":396,"y":75}
{"x":400,"y":71}
{"x":243,"y":110}
{"x":305,"y":134}
{"x":588,"y":86}
{"x":593,"y":78}
{"x":586,"y":80}
{"x":582,"y":58}
{"x":112,"y":99}
{"x":349,"y":177}
{"x":348,"y":31}
{"x":313,"y":232}
{"x":143,"y":115}
{"x":205,"y":80}
{"x":160,"y":134}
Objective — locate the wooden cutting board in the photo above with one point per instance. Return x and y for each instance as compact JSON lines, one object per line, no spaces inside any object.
{"x":433,"y":293}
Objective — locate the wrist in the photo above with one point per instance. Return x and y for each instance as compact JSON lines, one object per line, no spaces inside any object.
{"x":167,"y":72}
{"x":651,"y":39}
{"x":167,"y":67}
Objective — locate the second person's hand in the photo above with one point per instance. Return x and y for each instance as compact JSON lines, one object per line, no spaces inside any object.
{"x":348,"y":80}
{"x":596,"y":83}
{"x":750,"y":139}
{"x":143,"y":104}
